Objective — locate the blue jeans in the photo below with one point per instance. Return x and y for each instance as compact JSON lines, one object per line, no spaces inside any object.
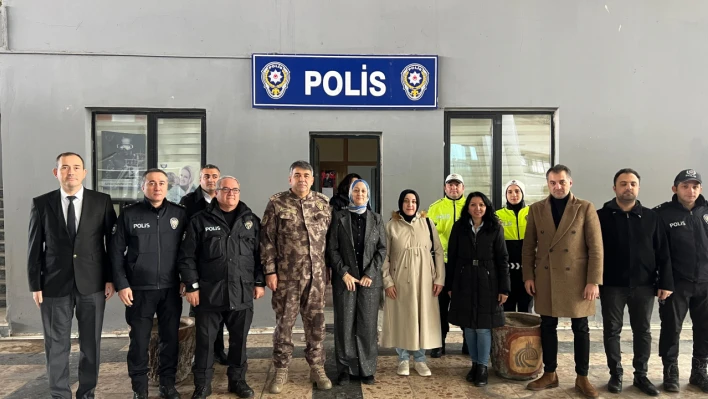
{"x":479,"y":342}
{"x":418,"y":356}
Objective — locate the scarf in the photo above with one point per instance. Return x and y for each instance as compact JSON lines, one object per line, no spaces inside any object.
{"x":400,"y":204}
{"x":358,"y":209}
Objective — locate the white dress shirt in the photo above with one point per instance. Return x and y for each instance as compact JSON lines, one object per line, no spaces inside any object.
{"x":78,"y":203}
{"x":207,"y":197}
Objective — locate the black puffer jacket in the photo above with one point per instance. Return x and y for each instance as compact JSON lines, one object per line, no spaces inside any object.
{"x":479,"y":265}
{"x":688,"y":238}
{"x":152,"y":237}
{"x":636,"y":250}
{"x":223,"y":262}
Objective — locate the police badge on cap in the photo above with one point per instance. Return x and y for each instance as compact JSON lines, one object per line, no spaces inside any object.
{"x":687,"y":175}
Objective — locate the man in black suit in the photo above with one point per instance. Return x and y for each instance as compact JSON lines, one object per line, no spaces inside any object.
{"x":195,"y":202}
{"x":68,"y":268}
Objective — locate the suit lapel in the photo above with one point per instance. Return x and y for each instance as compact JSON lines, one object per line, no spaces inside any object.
{"x":571,"y":211}
{"x":84,"y":216}
{"x":347,"y":223}
{"x":55,"y":206}
{"x":547,"y":221}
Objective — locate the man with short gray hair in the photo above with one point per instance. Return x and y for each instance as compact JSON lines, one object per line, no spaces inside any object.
{"x":293,"y":239}
{"x":220,"y":265}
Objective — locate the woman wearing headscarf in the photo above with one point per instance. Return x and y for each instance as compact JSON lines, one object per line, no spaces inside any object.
{"x":356,"y":245}
{"x":479,"y":279}
{"x":413,"y":276}
{"x":513,"y":217}
{"x":340,"y":200}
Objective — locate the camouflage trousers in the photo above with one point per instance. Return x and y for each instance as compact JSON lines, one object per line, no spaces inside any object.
{"x":307,"y":298}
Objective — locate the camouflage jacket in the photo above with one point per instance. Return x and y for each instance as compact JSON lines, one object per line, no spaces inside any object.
{"x":294,"y":235}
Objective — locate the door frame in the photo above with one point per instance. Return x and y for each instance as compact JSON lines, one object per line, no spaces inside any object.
{"x":377,"y":200}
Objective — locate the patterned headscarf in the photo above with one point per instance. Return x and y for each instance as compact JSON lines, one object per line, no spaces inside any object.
{"x":360,"y":209}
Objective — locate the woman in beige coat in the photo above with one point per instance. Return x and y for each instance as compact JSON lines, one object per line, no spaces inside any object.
{"x":413,"y":276}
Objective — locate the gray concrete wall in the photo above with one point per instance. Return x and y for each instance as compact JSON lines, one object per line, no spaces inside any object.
{"x":629,"y":96}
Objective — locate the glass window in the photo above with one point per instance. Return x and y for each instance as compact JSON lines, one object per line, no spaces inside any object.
{"x":526,"y":153}
{"x":128,"y":144}
{"x":179,"y":150}
{"x":490,"y":148}
{"x":471,"y":152}
{"x":121,"y":154}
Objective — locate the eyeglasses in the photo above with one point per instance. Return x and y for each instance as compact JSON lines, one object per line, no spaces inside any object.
{"x":226,"y":190}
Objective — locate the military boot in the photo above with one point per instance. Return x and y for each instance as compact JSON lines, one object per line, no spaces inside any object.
{"x":319,"y":377}
{"x":699,"y":377}
{"x":281,"y":377}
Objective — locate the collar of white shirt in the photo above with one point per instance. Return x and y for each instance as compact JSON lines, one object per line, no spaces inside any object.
{"x":79,"y":194}
{"x":207,"y":197}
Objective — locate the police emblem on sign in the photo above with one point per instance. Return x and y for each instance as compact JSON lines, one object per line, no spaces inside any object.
{"x":275,"y":77}
{"x":415,"y":78}
{"x":174,"y":222}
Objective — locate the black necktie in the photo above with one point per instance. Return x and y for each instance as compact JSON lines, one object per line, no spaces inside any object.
{"x":71,"y":218}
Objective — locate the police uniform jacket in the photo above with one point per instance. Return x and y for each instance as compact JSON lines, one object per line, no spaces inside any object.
{"x":221,"y":261}
{"x":636,"y":250}
{"x":152,"y":237}
{"x":688,"y":238}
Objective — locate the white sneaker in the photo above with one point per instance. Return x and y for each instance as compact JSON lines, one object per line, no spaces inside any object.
{"x":422,"y":369}
{"x":404,"y":368}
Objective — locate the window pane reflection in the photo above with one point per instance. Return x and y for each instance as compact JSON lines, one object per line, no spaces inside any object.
{"x":471,"y":153}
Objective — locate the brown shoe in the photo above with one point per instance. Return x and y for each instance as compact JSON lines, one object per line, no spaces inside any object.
{"x":547,"y":381}
{"x":583,"y":385}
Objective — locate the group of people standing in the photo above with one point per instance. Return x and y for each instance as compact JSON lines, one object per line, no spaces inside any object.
{"x":460,"y":263}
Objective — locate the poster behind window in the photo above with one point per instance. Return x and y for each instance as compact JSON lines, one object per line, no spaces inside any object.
{"x":123,"y":163}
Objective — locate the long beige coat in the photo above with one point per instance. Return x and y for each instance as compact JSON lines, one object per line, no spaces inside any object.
{"x":412,"y":320}
{"x":563,"y":261}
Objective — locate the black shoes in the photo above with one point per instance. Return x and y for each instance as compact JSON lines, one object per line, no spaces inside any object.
{"x":201,"y":392}
{"x":143,"y":395}
{"x":343,"y":378}
{"x":671,"y":377}
{"x":645,"y":386}
{"x":481,"y":376}
{"x":168,"y":391}
{"x":472,"y":373}
{"x":699,"y":376}
{"x":615,"y":384}
{"x":241,"y":389}
{"x":221,"y":358}
{"x":437,"y":352}
{"x":368,"y":380}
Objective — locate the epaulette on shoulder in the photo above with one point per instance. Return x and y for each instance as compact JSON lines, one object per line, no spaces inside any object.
{"x":176,"y":204}
{"x":131,"y":204}
{"x":276,"y":196}
{"x":322,"y":196}
{"x":658,"y":206}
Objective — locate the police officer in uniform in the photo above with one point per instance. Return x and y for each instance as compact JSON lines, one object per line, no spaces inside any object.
{"x":685,"y":219}
{"x":444,"y":213}
{"x":147,"y":281}
{"x":293,"y":240}
{"x":220,"y":266}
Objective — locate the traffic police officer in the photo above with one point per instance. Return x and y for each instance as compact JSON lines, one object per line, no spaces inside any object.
{"x":147,"y":281}
{"x":293,"y":240}
{"x":220,"y":266}
{"x":685,"y":220}
{"x":444,"y":213}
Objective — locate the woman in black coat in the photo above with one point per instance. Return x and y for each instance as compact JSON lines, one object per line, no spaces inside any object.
{"x":356,"y":246}
{"x":478,"y":280}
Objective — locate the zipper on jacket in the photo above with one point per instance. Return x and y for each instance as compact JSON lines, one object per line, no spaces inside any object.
{"x":518,"y":230}
{"x":158,"y":249}
{"x":454,"y":211}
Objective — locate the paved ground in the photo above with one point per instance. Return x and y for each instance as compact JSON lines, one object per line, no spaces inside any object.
{"x":23,"y":373}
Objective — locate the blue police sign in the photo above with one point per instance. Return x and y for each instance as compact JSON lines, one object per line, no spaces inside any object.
{"x":344,"y":81}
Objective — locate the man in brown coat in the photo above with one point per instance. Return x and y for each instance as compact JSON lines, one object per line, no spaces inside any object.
{"x":562,"y":269}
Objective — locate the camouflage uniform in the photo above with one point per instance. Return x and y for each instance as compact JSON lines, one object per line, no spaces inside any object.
{"x":293,"y":239}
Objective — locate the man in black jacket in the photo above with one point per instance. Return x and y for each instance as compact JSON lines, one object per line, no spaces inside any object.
{"x":147,"y":280}
{"x":636,"y":252}
{"x":67,"y":269}
{"x":220,"y":264}
{"x":197,"y":201}
{"x":685,"y":218}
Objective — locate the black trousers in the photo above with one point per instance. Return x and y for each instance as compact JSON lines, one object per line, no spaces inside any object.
{"x":238,"y":322}
{"x":167,"y":303}
{"x":640,"y":304}
{"x":581,"y":344}
{"x":57,"y":314}
{"x":687,"y":297}
{"x":519,"y":300}
{"x":219,"y":341}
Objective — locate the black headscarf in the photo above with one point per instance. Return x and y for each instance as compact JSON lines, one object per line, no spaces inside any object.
{"x":400,"y":204}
